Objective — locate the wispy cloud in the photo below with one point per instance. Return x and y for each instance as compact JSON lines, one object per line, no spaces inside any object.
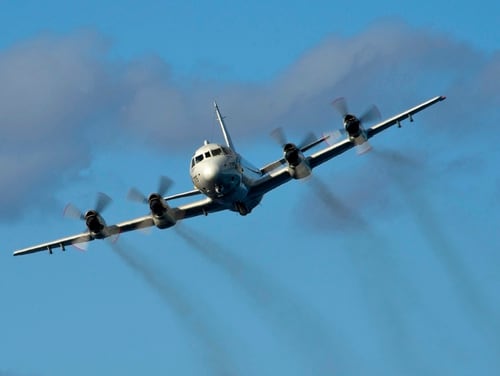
{"x":60,"y":95}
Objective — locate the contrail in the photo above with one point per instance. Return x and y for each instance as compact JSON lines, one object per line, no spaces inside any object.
{"x":218,"y":359}
{"x":306,"y":329}
{"x":465,"y":289}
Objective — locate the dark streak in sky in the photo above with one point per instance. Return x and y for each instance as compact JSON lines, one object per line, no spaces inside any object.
{"x":172,"y":295}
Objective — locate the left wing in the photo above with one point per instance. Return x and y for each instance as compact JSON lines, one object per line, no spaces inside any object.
{"x":277,"y":177}
{"x":377,"y":128}
{"x":326,"y":154}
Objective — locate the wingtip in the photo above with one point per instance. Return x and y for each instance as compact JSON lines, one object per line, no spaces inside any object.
{"x":442,"y":97}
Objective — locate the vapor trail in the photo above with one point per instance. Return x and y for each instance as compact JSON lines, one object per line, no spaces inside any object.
{"x":307,"y":331}
{"x":166,"y":288}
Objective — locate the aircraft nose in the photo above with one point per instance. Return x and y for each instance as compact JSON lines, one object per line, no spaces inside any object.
{"x":210,"y":172}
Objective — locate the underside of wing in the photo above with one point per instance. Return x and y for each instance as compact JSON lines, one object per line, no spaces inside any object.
{"x":330,"y":152}
{"x":135,"y":224}
{"x":269,"y":182}
{"x":201,"y":207}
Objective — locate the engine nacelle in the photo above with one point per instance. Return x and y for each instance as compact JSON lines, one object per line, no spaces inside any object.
{"x":297,"y":164}
{"x":352,"y":125}
{"x":354,"y":129}
{"x":161,"y":212}
{"x":95,"y":224}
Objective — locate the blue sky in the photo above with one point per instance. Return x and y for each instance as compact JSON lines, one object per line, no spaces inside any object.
{"x":396,"y":274}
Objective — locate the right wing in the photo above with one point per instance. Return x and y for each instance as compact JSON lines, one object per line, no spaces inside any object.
{"x":200,"y":207}
{"x":193,"y":209}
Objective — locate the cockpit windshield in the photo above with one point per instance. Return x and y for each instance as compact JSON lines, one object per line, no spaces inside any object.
{"x":222,"y":150}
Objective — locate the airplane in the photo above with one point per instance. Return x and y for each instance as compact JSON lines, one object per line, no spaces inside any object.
{"x":228,"y":182}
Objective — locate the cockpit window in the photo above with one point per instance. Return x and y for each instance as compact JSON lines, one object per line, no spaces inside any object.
{"x":226,"y":150}
{"x":207,"y":154}
{"x":216,"y":152}
{"x":198,"y":158}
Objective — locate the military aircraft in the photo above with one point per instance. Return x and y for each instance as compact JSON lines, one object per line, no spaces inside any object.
{"x":228,"y":182}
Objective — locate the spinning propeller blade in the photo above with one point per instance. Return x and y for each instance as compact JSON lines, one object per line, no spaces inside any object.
{"x":71,"y":211}
{"x":279,"y":136}
{"x":370,"y":115}
{"x":136,"y":195}
{"x":102,"y":202}
{"x":164,"y":185}
{"x":340,"y":105}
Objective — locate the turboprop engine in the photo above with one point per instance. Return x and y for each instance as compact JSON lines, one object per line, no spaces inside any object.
{"x":161,"y":213}
{"x":297,"y":163}
{"x":353,"y":125}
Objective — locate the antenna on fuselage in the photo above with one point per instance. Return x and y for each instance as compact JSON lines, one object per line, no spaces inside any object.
{"x":220,"y":119}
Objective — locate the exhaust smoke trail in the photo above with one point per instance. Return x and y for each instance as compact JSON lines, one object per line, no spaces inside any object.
{"x":344,"y":217}
{"x":166,"y":288}
{"x":463,"y":285}
{"x":381,"y":282}
{"x":286,"y":314}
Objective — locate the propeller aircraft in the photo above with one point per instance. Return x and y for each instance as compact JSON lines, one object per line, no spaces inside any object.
{"x":226,"y":181}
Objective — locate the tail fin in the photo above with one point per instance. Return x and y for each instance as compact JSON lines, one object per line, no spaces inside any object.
{"x":220,"y":119}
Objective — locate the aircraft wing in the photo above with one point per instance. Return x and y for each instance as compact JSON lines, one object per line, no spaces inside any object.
{"x":59,"y":243}
{"x":200,"y":207}
{"x":193,"y":209}
{"x":377,"y":128}
{"x":342,"y":146}
{"x":193,"y":192}
{"x":275,"y":176}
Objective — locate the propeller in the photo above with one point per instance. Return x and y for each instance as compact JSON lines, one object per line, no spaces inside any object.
{"x":340,"y":105}
{"x":164,"y":185}
{"x":102,"y":202}
{"x":370,"y":115}
{"x":279,"y":136}
{"x":155,"y":199}
{"x":91,"y":217}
